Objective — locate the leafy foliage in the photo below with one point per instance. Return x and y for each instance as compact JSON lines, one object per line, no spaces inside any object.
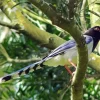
{"x":48,"y":83}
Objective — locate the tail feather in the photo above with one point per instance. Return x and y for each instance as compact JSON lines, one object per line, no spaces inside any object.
{"x":24,"y":70}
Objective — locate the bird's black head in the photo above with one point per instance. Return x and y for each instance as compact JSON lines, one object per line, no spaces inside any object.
{"x":94,"y":32}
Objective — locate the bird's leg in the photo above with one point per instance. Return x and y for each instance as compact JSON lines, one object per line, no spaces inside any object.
{"x":72,"y":63}
{"x":69,"y":71}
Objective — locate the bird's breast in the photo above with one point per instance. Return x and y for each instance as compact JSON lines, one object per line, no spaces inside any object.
{"x":62,"y":59}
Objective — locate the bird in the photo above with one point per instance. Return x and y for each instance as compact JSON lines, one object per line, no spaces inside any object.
{"x":62,"y":55}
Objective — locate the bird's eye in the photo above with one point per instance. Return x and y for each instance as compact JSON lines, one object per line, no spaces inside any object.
{"x":97,"y":29}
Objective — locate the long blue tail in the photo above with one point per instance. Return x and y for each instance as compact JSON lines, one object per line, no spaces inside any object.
{"x":22,"y":71}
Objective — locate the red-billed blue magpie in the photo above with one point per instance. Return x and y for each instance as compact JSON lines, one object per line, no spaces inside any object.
{"x":61,"y":55}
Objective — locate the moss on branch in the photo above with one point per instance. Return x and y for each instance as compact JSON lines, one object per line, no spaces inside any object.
{"x":24,"y":25}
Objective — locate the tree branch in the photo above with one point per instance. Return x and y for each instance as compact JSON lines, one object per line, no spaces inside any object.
{"x":10,"y":25}
{"x":24,"y":25}
{"x":30,"y":13}
{"x":4,"y":52}
{"x":72,"y":5}
{"x":94,"y":13}
{"x":82,"y":17}
{"x":94,"y":61}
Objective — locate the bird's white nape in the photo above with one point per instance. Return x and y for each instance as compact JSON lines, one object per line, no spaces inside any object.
{"x":1,"y":80}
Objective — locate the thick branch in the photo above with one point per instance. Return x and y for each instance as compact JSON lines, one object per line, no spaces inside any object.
{"x":72,"y":5}
{"x":23,"y":24}
{"x":77,"y":84}
{"x":94,"y":61}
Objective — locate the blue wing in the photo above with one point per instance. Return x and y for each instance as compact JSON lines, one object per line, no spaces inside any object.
{"x":88,"y":39}
{"x":62,"y":48}
{"x":67,"y":45}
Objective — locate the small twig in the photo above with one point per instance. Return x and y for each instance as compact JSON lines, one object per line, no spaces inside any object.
{"x":24,"y":60}
{"x":82,"y":17}
{"x":66,"y":89}
{"x":4,"y":52}
{"x":64,"y":92}
{"x":94,"y":13}
{"x":93,"y":76}
{"x":4,"y":62}
{"x":91,"y":4}
{"x":19,"y":4}
{"x":10,"y":25}
{"x":33,"y":15}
